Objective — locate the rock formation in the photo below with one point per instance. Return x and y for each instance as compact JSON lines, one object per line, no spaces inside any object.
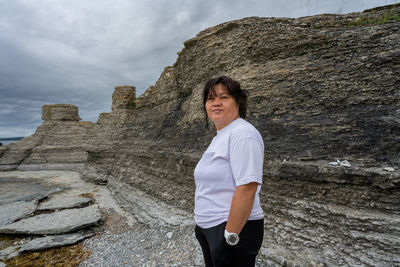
{"x":124,"y":97}
{"x":60,"y":112}
{"x":323,"y":90}
{"x":60,"y":143}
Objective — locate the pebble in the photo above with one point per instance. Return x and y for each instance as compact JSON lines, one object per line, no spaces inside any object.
{"x":389,"y":169}
{"x":343,"y":163}
{"x":169,"y":235}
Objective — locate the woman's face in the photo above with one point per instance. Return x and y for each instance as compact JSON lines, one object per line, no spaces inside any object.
{"x":221,"y":108}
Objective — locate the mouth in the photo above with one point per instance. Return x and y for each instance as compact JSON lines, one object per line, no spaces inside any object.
{"x":217,"y":110}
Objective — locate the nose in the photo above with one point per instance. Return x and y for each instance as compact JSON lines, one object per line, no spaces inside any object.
{"x":216,"y":102}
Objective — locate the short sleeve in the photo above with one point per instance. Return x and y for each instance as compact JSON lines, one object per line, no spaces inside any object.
{"x":246,"y":158}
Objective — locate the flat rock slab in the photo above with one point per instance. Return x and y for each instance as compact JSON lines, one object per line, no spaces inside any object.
{"x":9,"y":252}
{"x":59,"y":222}
{"x":47,"y":242}
{"x":27,"y":189}
{"x":64,"y":203}
{"x":16,"y":210}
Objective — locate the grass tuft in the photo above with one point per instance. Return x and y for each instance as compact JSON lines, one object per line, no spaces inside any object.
{"x":364,"y":21}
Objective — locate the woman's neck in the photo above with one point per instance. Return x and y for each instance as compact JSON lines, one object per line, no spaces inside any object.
{"x":222,"y":125}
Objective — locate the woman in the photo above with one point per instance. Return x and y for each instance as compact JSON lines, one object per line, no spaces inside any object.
{"x":228,"y":177}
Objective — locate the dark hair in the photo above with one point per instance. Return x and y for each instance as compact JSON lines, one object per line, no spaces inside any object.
{"x":233,"y":87}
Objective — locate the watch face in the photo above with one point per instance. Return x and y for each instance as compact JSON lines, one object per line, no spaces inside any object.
{"x":232,"y":239}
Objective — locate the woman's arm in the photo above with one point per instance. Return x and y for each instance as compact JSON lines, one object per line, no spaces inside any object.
{"x":242,"y":204}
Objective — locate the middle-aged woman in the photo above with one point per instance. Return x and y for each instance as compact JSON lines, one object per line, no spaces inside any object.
{"x":228,"y":177}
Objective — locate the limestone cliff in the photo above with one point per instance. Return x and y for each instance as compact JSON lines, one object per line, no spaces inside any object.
{"x":322,"y":89}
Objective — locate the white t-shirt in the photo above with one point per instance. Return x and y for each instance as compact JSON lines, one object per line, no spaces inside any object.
{"x":234,"y":157}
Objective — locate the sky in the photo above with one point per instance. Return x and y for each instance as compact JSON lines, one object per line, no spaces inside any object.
{"x":76,"y":52}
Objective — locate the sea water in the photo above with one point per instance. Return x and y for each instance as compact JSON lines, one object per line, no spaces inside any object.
{"x":6,"y":141}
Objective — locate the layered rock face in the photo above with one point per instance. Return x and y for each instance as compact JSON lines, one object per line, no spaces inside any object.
{"x":323,"y":90}
{"x":60,"y":143}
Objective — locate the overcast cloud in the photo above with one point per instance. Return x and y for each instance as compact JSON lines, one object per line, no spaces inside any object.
{"x":76,"y":52}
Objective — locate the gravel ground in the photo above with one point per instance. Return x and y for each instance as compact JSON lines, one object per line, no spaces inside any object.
{"x":145,"y":246}
{"x":121,"y":244}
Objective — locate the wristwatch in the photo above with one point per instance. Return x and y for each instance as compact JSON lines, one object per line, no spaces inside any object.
{"x":231,"y":238}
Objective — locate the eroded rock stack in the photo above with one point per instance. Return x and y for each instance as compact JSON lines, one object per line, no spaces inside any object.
{"x":60,"y":143}
{"x":60,"y":112}
{"x":324,"y":93}
{"x":124,"y":97}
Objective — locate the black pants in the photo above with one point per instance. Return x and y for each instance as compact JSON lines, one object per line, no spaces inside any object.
{"x":217,"y":253}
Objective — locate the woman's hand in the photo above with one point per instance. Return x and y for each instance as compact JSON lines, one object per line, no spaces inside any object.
{"x":242,"y":204}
